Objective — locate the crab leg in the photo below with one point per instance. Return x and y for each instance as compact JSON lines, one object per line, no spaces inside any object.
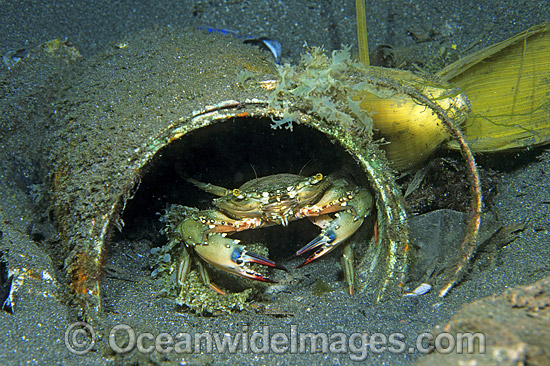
{"x":210,"y":188}
{"x":349,"y":269}
{"x":183,"y":271}
{"x":214,"y":221}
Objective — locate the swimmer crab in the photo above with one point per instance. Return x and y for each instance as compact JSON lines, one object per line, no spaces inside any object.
{"x":337,"y":206}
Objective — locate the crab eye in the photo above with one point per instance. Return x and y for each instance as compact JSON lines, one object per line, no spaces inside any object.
{"x":238,"y":193}
{"x":317,"y":178}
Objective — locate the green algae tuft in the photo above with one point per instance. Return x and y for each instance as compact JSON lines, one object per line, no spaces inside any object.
{"x":321,"y":85}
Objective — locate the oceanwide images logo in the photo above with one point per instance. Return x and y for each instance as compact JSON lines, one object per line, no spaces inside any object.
{"x":80,"y":338}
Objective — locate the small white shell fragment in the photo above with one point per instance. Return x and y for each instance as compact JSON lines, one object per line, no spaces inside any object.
{"x":276,"y":289}
{"x":46,"y":276}
{"x":269,"y":84}
{"x":420,"y":290}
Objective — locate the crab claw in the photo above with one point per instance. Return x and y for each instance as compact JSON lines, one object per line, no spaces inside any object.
{"x":228,"y":255}
{"x":334,"y":232}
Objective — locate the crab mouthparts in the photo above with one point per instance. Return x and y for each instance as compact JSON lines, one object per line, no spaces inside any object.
{"x":282,"y":219}
{"x":280,"y":212}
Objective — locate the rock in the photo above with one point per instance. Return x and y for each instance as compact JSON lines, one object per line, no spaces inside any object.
{"x":515,"y":326}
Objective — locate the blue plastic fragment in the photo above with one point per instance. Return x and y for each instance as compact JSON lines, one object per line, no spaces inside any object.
{"x":271,"y":45}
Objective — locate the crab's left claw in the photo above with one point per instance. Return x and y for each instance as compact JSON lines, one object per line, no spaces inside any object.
{"x":335,"y":231}
{"x":228,"y":255}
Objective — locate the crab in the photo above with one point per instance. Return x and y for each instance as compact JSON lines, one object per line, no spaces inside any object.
{"x":336,"y":205}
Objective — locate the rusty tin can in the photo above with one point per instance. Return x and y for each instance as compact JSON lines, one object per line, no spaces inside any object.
{"x":167,"y":104}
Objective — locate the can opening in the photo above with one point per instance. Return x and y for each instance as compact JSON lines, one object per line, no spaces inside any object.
{"x":229,"y":154}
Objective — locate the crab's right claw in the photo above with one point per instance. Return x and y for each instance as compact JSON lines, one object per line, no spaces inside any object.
{"x":348,"y":218}
{"x":228,"y":255}
{"x":334,"y":233}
